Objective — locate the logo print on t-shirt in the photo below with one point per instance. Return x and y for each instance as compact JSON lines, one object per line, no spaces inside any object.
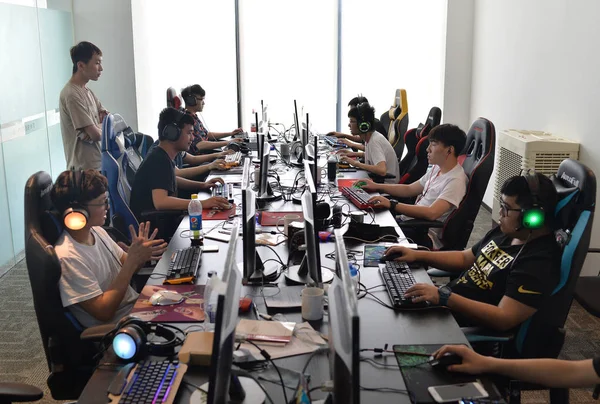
{"x":528,"y":292}
{"x":491,"y":257}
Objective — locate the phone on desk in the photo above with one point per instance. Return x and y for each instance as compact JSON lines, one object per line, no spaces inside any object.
{"x":454,"y":392}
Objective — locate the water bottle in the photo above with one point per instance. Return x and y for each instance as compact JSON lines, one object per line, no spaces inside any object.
{"x":206,"y":296}
{"x":354,"y":276}
{"x":195,"y":214}
{"x":331,"y":167}
{"x":216,"y":287}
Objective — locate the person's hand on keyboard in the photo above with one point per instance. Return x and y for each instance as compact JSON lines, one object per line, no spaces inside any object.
{"x":380,"y":202}
{"x":421,"y":292}
{"x":211,"y":183}
{"x":225,"y":153}
{"x":218,"y":165}
{"x":237,"y":131}
{"x":215,"y":202}
{"x":336,"y":134}
{"x":143,"y":246}
{"x":237,"y":140}
{"x":366,"y":184}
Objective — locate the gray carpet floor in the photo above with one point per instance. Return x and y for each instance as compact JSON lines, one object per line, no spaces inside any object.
{"x":22,"y":356}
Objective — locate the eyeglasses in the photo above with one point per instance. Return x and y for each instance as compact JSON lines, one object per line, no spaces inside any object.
{"x":105,"y":204}
{"x":504,"y":209}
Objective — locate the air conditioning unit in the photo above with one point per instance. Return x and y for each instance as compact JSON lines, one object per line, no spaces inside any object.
{"x":523,"y":149}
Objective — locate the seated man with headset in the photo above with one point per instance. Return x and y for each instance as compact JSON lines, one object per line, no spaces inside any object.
{"x":155,"y":184}
{"x":203,"y":141}
{"x":438,"y":192}
{"x":511,"y":272}
{"x":95,"y":271}
{"x":380,"y":157}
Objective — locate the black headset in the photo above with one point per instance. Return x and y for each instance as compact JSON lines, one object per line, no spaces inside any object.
{"x":76,"y":216}
{"x":363,"y":125}
{"x":190,"y":99}
{"x":172,"y":131}
{"x":130,"y":339}
{"x":533,"y":216}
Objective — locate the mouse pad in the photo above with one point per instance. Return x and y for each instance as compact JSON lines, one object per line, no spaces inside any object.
{"x":373,"y":252}
{"x":190,"y":310}
{"x":418,"y":374}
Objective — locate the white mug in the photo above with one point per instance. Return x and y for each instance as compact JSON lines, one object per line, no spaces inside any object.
{"x":287,"y":219}
{"x":357,"y":216}
{"x":312,"y":303}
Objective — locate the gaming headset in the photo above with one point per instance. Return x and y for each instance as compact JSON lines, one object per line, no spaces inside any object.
{"x":130,"y":339}
{"x":190,"y":99}
{"x":172,"y":131}
{"x":363,"y":125}
{"x":533,"y":217}
{"x":75,"y":217}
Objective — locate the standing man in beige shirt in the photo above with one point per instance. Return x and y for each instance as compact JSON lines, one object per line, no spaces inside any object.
{"x":81,"y":113}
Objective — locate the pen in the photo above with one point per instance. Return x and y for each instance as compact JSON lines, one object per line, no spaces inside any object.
{"x":256,"y":313}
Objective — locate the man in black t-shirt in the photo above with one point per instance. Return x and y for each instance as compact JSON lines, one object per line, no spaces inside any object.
{"x":506,"y":277}
{"x":155,"y":184}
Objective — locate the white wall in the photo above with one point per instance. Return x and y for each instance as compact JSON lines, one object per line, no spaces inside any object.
{"x":535,"y":66}
{"x":107,"y":24}
{"x":458,"y":61}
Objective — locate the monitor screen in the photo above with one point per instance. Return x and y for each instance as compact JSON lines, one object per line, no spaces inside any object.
{"x":246,"y":174}
{"x":344,"y":330}
{"x":311,"y":236}
{"x":226,"y":321}
{"x":263,"y":191}
{"x":252,"y":263}
{"x":296,"y":122}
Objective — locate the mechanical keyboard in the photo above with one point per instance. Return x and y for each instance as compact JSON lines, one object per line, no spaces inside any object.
{"x":223,"y":191}
{"x":184,"y":265}
{"x":357,"y":196}
{"x":151,"y":382}
{"x":333,"y":141}
{"x":233,"y":160}
{"x":397,"y":278}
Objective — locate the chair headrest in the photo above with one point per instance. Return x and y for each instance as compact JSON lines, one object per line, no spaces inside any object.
{"x":394,"y":112}
{"x":434,"y":118}
{"x":576,"y":188}
{"x":38,"y":206}
{"x":171,"y":94}
{"x":480,"y":144}
{"x":119,"y":124}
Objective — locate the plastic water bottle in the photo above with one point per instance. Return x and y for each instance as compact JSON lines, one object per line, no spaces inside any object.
{"x":354,"y":276}
{"x":195,"y":214}
{"x":216,"y":287}
{"x":206,"y":296}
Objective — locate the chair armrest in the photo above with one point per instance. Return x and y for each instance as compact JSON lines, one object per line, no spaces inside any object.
{"x":482,"y":334}
{"x":97,"y":332}
{"x":422,"y":223}
{"x":19,"y":392}
{"x":441,"y":273}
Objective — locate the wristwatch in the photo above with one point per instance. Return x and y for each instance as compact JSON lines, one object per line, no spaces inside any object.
{"x":445,"y":293}
{"x":393,"y":204}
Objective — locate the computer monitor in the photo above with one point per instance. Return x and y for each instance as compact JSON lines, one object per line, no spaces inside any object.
{"x":309,"y":271}
{"x":254,"y":269}
{"x":344,"y":330}
{"x":265,"y":192}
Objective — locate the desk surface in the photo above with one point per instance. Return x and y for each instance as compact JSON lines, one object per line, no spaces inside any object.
{"x":378,"y":325}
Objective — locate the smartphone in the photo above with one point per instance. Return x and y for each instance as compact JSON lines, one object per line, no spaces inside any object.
{"x":210,"y":248}
{"x":454,"y":392}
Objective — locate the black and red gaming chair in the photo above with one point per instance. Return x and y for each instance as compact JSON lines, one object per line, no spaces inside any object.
{"x":414,"y":165}
{"x":174,"y":100}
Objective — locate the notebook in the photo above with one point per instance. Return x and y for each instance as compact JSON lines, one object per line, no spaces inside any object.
{"x":190,"y":310}
{"x":266,"y":218}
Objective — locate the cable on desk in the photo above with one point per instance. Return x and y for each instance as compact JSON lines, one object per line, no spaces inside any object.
{"x":389,"y":390}
{"x":241,"y":372}
{"x":378,"y":365}
{"x":266,"y":355}
{"x":312,"y":355}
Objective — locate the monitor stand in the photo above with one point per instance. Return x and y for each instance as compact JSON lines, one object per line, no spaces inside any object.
{"x":253,"y":393}
{"x":261,"y":274}
{"x":298,"y":274}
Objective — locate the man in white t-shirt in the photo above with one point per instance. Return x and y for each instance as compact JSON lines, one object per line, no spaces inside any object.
{"x":438,"y":192}
{"x":380,"y":157}
{"x":95,"y":271}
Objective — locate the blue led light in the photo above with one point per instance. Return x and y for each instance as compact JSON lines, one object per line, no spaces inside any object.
{"x":124,"y":346}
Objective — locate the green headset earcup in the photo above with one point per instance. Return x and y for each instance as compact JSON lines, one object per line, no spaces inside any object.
{"x":534,"y":218}
{"x":364,"y":127}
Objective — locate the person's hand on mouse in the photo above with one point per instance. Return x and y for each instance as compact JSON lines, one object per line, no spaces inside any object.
{"x":421,"y":292}
{"x":336,"y":134}
{"x":143,"y":246}
{"x":216,"y":202}
{"x":407,"y":254}
{"x":380,"y":202}
{"x":472,"y":362}
{"x":211,"y":183}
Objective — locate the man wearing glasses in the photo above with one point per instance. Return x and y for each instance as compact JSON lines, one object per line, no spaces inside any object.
{"x":95,"y":271}
{"x":509,"y":274}
{"x":204,"y":141}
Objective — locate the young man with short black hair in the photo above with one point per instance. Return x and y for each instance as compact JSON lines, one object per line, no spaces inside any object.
{"x":438,"y":192}
{"x":81,"y":113}
{"x":155,"y":184}
{"x":380,"y":157}
{"x":95,"y":271}
{"x":355,"y":141}
{"x":508,"y":275}
{"x":204,"y":141}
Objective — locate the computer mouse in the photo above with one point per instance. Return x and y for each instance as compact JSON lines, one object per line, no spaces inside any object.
{"x":390,"y":257}
{"x":446,"y":360}
{"x":165,"y":298}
